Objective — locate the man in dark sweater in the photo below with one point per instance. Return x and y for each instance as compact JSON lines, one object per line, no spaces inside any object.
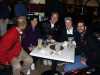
{"x":50,"y":27}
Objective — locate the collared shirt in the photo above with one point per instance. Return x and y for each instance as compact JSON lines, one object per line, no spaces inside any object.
{"x":70,"y":31}
{"x":20,"y":32}
{"x":52,"y":25}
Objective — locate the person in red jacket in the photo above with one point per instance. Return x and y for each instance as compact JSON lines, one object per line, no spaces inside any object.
{"x":11,"y":51}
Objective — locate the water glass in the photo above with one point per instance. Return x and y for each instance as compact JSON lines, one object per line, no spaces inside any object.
{"x":39,"y":43}
{"x":70,"y":42}
{"x":57,"y":47}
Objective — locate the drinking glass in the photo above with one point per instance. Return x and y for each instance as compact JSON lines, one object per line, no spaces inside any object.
{"x":57,"y":47}
{"x":70,"y":42}
{"x":40,"y":43}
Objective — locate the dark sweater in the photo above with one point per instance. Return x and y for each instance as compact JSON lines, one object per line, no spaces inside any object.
{"x":30,"y":37}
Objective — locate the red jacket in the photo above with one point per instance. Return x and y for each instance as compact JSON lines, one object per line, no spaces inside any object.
{"x":10,"y":46}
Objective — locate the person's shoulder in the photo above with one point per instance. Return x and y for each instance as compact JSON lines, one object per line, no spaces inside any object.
{"x":45,"y":23}
{"x":75,"y":28}
{"x":28,"y":29}
{"x":12,"y":32}
{"x":12,"y":29}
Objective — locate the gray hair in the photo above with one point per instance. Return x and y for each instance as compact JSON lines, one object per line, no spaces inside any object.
{"x":67,"y":18}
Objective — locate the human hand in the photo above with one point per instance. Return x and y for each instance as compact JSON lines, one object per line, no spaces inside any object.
{"x":30,"y":47}
{"x":83,"y":60}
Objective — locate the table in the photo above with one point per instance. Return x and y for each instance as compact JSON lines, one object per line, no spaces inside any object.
{"x":66,"y":55}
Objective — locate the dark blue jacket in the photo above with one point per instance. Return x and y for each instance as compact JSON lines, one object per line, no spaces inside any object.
{"x":63,"y":36}
{"x":46,"y":30}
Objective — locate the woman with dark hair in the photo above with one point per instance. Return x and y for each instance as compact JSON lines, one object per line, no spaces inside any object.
{"x":31,"y":34}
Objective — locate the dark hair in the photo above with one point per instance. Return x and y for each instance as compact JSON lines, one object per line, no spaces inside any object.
{"x":53,"y":12}
{"x":33,"y":17}
{"x":82,"y":22}
{"x":30,"y":18}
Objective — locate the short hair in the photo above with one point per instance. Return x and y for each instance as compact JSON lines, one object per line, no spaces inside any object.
{"x":54,"y":12}
{"x":67,"y":18}
{"x":82,"y":22}
{"x":22,"y":20}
